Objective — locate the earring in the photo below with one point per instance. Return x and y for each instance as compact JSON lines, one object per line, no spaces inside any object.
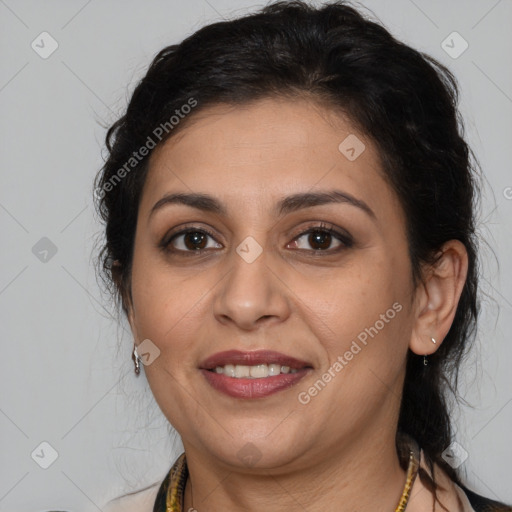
{"x":425,"y":360}
{"x":136,"y":359}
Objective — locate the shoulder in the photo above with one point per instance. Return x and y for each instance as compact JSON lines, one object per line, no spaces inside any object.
{"x":140,"y":501}
{"x":453,"y":497}
{"x":482,"y":504}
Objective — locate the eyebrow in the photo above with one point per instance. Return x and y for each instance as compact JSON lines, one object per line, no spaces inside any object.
{"x":285,"y":205}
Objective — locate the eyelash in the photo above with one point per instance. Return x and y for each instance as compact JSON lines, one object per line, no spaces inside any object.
{"x":345,"y":239}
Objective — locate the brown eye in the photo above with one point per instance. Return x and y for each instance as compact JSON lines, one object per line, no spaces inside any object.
{"x":320,"y":238}
{"x":190,"y":240}
{"x":195,"y":240}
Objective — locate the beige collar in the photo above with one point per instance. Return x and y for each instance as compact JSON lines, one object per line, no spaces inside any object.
{"x":449,"y":494}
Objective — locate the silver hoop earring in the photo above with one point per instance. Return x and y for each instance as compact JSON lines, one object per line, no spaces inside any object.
{"x":136,"y":359}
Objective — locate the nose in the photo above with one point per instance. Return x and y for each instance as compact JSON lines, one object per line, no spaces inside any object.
{"x":251,"y":294}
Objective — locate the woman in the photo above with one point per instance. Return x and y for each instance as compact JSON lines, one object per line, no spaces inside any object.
{"x":290,"y":231}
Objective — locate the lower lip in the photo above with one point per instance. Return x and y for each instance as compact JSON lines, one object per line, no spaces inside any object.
{"x":253,"y":388}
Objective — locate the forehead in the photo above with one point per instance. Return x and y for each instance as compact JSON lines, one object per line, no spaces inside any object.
{"x":267,"y":148}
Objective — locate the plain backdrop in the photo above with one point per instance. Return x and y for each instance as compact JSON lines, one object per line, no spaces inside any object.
{"x":69,"y":399}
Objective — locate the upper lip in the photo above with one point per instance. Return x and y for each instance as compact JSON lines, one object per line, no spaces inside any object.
{"x":251,"y":359}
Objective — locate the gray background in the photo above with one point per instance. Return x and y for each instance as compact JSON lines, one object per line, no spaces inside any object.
{"x":63,"y":379}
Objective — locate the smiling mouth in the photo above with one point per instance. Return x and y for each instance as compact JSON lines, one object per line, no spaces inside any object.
{"x":259,"y":371}
{"x":255,"y":364}
{"x":255,"y":374}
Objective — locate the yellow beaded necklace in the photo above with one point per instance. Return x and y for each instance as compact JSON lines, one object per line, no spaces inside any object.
{"x":179,"y":474}
{"x":412,"y":471}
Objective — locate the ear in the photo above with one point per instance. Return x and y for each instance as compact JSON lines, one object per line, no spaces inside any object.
{"x":131,"y":320}
{"x":437,"y":297}
{"x":126,"y":298}
{"x":130,"y":314}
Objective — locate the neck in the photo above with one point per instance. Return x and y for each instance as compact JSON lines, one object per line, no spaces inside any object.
{"x":364,"y":475}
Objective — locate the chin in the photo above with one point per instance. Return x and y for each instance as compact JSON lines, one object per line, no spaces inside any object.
{"x":257,"y":450}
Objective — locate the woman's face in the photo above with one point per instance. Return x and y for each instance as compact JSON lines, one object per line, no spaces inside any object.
{"x":339,"y":303}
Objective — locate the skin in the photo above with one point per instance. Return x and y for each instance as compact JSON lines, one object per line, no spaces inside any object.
{"x":326,"y":454}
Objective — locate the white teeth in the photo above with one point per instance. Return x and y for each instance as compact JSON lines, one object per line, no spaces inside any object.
{"x":258,"y":371}
{"x":274,"y":369}
{"x":229,"y":370}
{"x":242,"y":371}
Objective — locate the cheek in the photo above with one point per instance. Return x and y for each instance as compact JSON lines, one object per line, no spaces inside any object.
{"x":358,"y":313}
{"x":348,"y":299}
{"x":166,"y":309}
{"x":167,"y":304}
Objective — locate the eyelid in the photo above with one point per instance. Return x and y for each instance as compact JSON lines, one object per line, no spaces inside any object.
{"x":183,"y":230}
{"x":328,"y":227}
{"x":338,"y":233}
